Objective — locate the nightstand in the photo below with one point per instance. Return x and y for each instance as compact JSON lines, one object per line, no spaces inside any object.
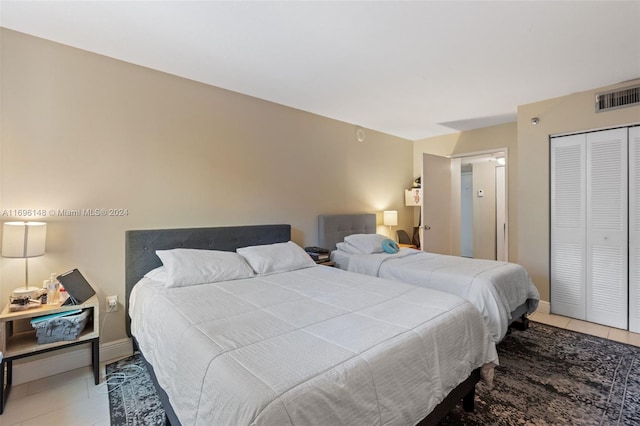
{"x":23,"y":344}
{"x":407,"y":246}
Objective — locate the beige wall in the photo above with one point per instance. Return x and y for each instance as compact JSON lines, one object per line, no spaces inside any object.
{"x":502,"y":136}
{"x":573,"y":113}
{"x":81,"y":130}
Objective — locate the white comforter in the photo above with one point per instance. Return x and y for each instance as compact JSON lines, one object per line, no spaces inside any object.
{"x":314,"y":346}
{"x":495,"y":288}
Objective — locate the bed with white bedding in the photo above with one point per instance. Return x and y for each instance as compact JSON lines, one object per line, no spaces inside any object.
{"x":294,"y":343}
{"x":503,"y":292}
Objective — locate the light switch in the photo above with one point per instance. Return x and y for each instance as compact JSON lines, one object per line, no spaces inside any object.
{"x":480,"y":193}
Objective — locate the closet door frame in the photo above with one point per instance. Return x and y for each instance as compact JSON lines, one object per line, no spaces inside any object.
{"x":609,"y":265}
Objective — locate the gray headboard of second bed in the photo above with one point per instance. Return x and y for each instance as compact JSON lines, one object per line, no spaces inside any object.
{"x":332,"y":228}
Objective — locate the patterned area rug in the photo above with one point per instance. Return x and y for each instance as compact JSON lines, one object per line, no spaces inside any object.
{"x":132,"y":397}
{"x":551,"y":376}
{"x":547,"y":376}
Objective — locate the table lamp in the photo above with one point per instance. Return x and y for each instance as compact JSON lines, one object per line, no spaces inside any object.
{"x":390,"y":218}
{"x":24,"y":240}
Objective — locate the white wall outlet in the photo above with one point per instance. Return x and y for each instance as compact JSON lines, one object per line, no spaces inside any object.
{"x":112,"y":303}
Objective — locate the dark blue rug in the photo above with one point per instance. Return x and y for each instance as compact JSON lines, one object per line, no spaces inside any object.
{"x":552,"y":376}
{"x":132,"y":397}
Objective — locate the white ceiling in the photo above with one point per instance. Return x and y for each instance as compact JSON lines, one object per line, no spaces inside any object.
{"x":411,"y":69}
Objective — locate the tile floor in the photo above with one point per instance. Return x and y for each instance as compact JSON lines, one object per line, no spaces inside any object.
{"x":66,"y":399}
{"x":542,"y":315}
{"x":71,"y":398}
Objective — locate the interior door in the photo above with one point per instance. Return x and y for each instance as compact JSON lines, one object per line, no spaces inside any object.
{"x":501,"y":215}
{"x":436,"y":204}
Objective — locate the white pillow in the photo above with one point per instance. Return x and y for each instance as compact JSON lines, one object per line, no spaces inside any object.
{"x":366,"y":243}
{"x":347,"y":248}
{"x":279,"y":257}
{"x":159,"y":274}
{"x":187,"y":267}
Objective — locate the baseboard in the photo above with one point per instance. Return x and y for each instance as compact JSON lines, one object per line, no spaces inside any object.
{"x":544,"y":307}
{"x":116,"y":350}
{"x":29,"y":369}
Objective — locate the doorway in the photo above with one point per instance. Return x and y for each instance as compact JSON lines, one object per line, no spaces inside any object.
{"x":477,"y":211}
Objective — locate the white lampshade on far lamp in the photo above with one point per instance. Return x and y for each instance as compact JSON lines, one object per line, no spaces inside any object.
{"x":390,"y":218}
{"x":24,"y":240}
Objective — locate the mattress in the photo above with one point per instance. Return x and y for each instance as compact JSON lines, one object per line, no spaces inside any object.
{"x":341,"y":259}
{"x":308,"y":346}
{"x":495,"y":288}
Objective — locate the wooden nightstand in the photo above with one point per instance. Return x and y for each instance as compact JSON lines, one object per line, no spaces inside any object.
{"x":407,"y":246}
{"x":23,"y":344}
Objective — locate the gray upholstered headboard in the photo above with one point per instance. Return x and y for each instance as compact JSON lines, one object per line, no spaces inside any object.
{"x":141,"y":246}
{"x":332,"y":228}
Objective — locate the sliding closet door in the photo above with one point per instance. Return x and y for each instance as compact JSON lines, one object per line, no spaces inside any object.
{"x":568,"y":224}
{"x":634,"y":229}
{"x":607,"y":210}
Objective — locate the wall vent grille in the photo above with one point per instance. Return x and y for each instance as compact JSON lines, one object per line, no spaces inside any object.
{"x":618,"y":99}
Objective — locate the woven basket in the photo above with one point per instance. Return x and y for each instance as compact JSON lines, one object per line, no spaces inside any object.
{"x":61,"y":328}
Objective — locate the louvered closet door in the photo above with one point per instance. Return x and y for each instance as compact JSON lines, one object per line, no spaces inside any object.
{"x":568,"y":225}
{"x":634,"y":229}
{"x":607,"y":263}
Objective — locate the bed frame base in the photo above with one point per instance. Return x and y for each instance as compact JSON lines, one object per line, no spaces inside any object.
{"x":465,"y":391}
{"x":520,"y":313}
{"x":170,"y":416}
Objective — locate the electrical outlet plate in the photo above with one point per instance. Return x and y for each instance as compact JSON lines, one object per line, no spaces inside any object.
{"x":112,"y":303}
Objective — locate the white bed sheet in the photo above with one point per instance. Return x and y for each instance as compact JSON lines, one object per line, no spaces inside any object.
{"x":495,"y":288}
{"x":318,"y":345}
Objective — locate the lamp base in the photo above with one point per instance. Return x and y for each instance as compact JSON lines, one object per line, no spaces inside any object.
{"x":29,"y":292}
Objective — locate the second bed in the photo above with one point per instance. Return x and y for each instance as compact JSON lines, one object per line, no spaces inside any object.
{"x":503,"y":292}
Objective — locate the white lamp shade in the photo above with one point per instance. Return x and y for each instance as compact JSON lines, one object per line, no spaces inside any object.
{"x":390,"y":217}
{"x":23,"y":239}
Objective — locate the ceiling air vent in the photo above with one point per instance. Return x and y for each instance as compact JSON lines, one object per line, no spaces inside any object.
{"x":618,"y":99}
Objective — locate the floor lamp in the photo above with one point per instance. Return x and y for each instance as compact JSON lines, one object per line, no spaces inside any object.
{"x":24,"y":240}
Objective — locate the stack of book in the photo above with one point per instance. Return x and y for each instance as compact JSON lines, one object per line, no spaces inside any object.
{"x":318,"y":254}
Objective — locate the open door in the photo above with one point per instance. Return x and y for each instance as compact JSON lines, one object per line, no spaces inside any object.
{"x":436,"y":204}
{"x":502,"y":239}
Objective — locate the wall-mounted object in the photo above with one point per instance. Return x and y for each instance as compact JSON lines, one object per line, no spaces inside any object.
{"x":413,"y":197}
{"x":24,"y":240}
